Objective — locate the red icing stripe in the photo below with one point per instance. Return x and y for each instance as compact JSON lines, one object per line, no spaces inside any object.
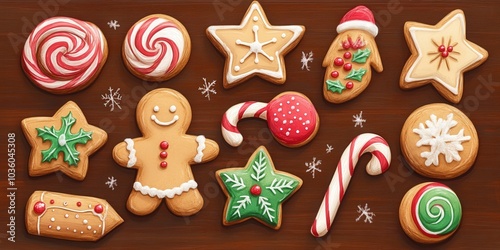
{"x":327,"y":209}
{"x":227,"y":125}
{"x":414,"y":202}
{"x":244,"y":108}
{"x":314,"y":230}
{"x":341,"y":184}
{"x":260,"y":111}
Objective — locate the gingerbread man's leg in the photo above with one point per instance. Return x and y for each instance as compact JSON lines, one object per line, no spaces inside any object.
{"x":141,"y":204}
{"x":189,"y":201}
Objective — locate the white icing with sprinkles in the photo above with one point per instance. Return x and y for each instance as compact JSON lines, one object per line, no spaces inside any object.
{"x":255,"y":18}
{"x":58,"y":228}
{"x":85,"y":222}
{"x":236,"y":68}
{"x":283,"y":35}
{"x":52,"y":219}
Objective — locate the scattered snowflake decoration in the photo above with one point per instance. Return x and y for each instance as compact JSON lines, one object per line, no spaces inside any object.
{"x":207,"y":88}
{"x":112,"y":183}
{"x":113,"y":24}
{"x":306,"y":59}
{"x":63,"y":141}
{"x":313,"y":166}
{"x":112,"y":99}
{"x":436,"y":135}
{"x":257,"y":191}
{"x":365,"y":211}
{"x":329,"y":148}
{"x":358,"y":119}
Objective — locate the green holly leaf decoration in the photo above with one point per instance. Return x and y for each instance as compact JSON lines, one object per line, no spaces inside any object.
{"x":335,"y":86}
{"x":63,"y":140}
{"x":356,"y":74}
{"x":257,"y":190}
{"x":361,"y":55}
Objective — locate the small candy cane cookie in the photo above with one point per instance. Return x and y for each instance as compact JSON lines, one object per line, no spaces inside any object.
{"x":439,"y":141}
{"x":64,"y":55}
{"x":69,"y":217}
{"x":430,"y":212}
{"x":156,"y":48}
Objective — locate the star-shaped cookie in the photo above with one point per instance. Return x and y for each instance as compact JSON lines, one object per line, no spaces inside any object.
{"x":255,"y":47}
{"x":62,"y":142}
{"x":440,"y":55}
{"x":256,"y":191}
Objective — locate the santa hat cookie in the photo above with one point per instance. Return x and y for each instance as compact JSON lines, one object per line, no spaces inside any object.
{"x":359,"y":18}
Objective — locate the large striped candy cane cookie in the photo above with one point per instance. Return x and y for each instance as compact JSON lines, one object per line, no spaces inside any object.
{"x":64,"y":55}
{"x":379,"y":163}
{"x":430,"y":212}
{"x":291,"y":117}
{"x":156,"y":48}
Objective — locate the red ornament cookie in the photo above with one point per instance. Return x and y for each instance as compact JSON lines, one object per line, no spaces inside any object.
{"x":291,"y":117}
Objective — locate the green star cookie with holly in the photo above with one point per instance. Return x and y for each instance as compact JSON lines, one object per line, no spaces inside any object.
{"x":256,"y":191}
{"x":62,"y":142}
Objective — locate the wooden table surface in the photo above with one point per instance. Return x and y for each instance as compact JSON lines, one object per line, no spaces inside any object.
{"x":384,"y":105}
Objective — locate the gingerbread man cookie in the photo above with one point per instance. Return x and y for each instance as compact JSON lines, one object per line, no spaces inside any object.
{"x":62,"y":142}
{"x":163,"y":155}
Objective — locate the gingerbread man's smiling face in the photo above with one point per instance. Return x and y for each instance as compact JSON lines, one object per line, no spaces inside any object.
{"x":163,"y":110}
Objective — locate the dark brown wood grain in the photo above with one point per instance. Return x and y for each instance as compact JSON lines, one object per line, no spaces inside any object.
{"x":385,"y":107}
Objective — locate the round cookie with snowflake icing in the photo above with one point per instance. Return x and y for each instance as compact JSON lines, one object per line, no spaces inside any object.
{"x":439,"y":141}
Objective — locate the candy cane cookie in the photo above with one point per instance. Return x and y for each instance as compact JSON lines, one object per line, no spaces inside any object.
{"x":291,"y":117}
{"x":430,"y":212}
{"x":64,"y":55}
{"x":379,"y":163}
{"x":156,"y":48}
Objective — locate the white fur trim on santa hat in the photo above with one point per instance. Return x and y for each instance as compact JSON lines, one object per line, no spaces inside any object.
{"x":358,"y":25}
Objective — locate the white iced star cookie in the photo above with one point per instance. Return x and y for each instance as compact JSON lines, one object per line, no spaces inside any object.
{"x":255,"y":47}
{"x":440,"y":55}
{"x":439,"y":141}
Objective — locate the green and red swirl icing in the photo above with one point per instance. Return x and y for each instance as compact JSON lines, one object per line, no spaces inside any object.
{"x":436,"y":210}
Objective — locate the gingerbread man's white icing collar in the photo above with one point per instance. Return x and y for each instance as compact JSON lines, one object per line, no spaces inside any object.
{"x":172,"y":109}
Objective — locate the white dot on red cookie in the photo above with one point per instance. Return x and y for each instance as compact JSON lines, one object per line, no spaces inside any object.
{"x":284,"y":121}
{"x":298,"y":110}
{"x":298,"y":104}
{"x":275,"y":114}
{"x":280,"y":109}
{"x":85,"y":222}
{"x":287,"y":133}
{"x":289,"y":129}
{"x":281,"y":129}
{"x":307,"y":122}
{"x":291,"y":122}
{"x":287,"y":102}
{"x":52,"y":219}
{"x":284,"y":115}
{"x":297,"y":131}
{"x":300,"y":118}
{"x":307,"y":128}
{"x":276,"y":119}
{"x":293,"y":98}
{"x":293,"y":107}
{"x":289,"y":112}
{"x":305,"y":114}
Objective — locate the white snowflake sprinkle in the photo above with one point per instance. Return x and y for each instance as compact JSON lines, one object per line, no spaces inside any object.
{"x":313,"y":166}
{"x":436,"y":135}
{"x":207,"y":88}
{"x":329,"y":148}
{"x":365,"y":211}
{"x":112,"y":99}
{"x":113,"y":24}
{"x":358,"y":119}
{"x":112,"y":183}
{"x":306,"y":59}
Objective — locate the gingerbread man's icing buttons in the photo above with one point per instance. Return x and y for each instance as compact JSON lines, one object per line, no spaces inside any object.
{"x":62,"y":142}
{"x":163,"y":155}
{"x":439,"y":141}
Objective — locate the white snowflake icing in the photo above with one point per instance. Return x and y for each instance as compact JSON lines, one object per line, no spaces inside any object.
{"x":306,"y":59}
{"x":313,"y":166}
{"x":237,"y":183}
{"x":365,"y":211}
{"x":358,"y":119}
{"x":436,"y":135}
{"x":279,"y":185}
{"x":256,"y":46}
{"x":207,"y":88}
{"x":112,"y":99}
{"x":112,"y":182}
{"x":329,"y":148}
{"x":242,"y":203}
{"x":259,"y":167}
{"x":265,"y":205}
{"x":113,"y":24}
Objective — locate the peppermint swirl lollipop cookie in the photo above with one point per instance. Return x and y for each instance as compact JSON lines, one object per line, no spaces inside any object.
{"x":64,"y":55}
{"x":156,"y":48}
{"x":430,"y":212}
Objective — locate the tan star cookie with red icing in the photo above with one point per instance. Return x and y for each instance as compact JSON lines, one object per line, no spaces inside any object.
{"x":440,"y":55}
{"x":163,"y":155}
{"x":62,"y":142}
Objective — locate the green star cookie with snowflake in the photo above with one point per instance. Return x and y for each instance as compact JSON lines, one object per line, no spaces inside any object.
{"x":256,"y":191}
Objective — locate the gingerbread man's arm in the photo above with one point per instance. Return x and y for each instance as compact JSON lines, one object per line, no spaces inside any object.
{"x":206,"y":150}
{"x":375,"y":60}
{"x":124,"y":153}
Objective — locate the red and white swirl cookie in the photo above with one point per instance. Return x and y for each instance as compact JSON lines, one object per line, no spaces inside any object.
{"x":64,"y":55}
{"x":156,"y":48}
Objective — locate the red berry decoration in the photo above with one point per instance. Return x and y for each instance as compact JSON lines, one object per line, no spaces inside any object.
{"x":164,"y":145}
{"x":347,"y":55}
{"x":334,"y":74}
{"x":338,"y":61}
{"x":441,"y":48}
{"x":51,"y":201}
{"x":444,"y":53}
{"x":163,"y":164}
{"x":347,"y":66}
{"x":79,"y":204}
{"x":349,"y":85}
{"x":39,"y":207}
{"x":450,"y":48}
{"x":98,"y":208}
{"x":255,"y":190}
{"x":163,"y":154}
{"x":346,"y":45}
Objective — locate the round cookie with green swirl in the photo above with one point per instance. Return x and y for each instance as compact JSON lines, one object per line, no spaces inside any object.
{"x":430,"y":212}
